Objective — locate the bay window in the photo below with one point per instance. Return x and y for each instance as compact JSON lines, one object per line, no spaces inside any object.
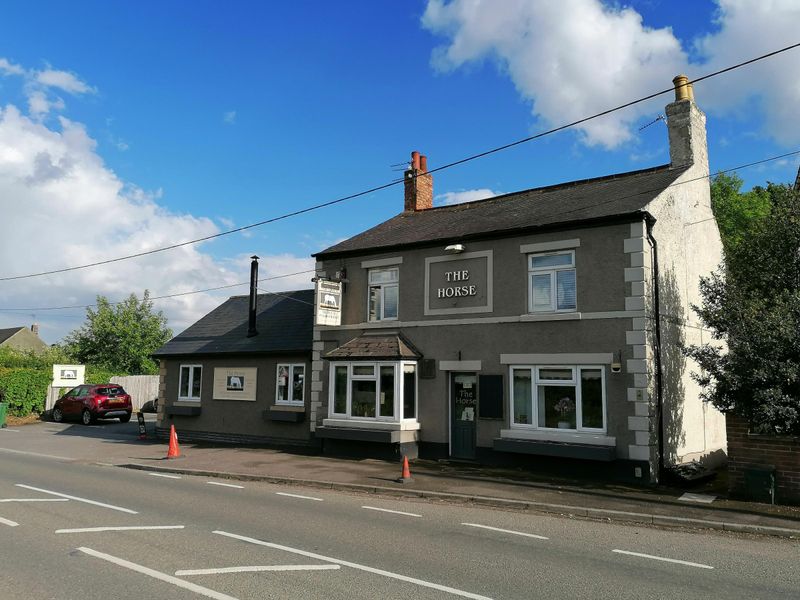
{"x":385,"y":391}
{"x":558,"y":397}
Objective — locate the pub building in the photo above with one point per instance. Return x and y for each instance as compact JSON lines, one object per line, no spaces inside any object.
{"x":540,"y":327}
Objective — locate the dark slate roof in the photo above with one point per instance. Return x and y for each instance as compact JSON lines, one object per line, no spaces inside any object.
{"x":375,"y":347}
{"x":576,"y":202}
{"x":284,"y":322}
{"x":7,"y":333}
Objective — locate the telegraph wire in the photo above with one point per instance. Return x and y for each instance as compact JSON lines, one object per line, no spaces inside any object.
{"x":165,"y":296}
{"x":395,"y":182}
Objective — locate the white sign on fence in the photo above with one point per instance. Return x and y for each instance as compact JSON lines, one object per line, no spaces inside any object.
{"x":68,"y":375}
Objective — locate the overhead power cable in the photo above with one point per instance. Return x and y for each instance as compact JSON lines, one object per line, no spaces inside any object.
{"x":615,"y":199}
{"x":397,"y":181}
{"x":212,"y":289}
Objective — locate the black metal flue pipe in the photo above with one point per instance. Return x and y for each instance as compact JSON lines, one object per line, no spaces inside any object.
{"x":251,"y":325}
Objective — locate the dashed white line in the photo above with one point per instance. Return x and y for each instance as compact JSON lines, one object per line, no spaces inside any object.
{"x":167,"y":475}
{"x":120,"y":528}
{"x":530,"y":535}
{"x":671,"y":560}
{"x":230,"y":485}
{"x":298,"y":496}
{"x":8,"y":522}
{"x":35,"y":454}
{"x":257,"y":569}
{"x":78,"y":499}
{"x":7,"y":430}
{"x":352,"y":565}
{"x":396,"y":512}
{"x":34,"y":500}
{"x":193,"y":587}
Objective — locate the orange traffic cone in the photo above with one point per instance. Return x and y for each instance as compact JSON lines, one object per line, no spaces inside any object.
{"x":405,"y":476}
{"x":174,"y":451}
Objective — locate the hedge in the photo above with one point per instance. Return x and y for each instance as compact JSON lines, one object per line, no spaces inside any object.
{"x":25,"y":389}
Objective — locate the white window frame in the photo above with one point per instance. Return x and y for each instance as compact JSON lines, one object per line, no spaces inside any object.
{"x":399,"y":390}
{"x":190,"y":398}
{"x":553,"y":272}
{"x":292,"y":401}
{"x":382,"y":287}
{"x":575,"y":382}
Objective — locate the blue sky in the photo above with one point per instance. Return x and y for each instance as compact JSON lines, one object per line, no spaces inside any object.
{"x":127,"y":126}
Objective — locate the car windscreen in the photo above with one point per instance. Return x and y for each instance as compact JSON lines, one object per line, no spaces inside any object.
{"x":110,"y":391}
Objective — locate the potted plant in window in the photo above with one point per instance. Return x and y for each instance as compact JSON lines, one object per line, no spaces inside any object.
{"x":563,"y":407}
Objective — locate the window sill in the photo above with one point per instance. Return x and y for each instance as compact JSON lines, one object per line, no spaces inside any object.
{"x":185,"y":409}
{"x":551,"y":316}
{"x":559,"y":435}
{"x":285,"y":414}
{"x":300,"y":407}
{"x":364,"y":431}
{"x":372,"y":424}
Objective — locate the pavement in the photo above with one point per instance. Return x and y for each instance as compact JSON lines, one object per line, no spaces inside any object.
{"x":438,"y":481}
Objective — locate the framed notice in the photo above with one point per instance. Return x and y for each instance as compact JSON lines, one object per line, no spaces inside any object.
{"x":68,"y":375}
{"x":329,"y":302}
{"x":235,"y":383}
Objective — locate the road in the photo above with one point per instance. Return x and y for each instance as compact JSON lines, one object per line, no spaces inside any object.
{"x":203,"y":538}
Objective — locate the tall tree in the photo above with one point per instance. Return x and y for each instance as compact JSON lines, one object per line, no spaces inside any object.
{"x":736,"y":211}
{"x":120,"y":337}
{"x":752,"y":304}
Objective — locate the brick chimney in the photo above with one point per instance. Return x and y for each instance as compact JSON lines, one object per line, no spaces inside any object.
{"x":686,"y":124}
{"x":418,"y":184}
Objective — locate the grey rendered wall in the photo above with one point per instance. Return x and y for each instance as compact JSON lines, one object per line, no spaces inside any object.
{"x":235,"y":417}
{"x":599,"y":326}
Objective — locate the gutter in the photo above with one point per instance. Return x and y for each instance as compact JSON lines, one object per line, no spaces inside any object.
{"x":650,"y":221}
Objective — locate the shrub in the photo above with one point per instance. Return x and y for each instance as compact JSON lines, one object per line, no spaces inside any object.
{"x":25,"y":389}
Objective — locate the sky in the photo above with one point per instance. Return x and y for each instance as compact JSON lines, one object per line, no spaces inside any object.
{"x":126,"y":127}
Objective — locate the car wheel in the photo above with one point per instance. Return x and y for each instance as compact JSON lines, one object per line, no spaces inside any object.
{"x":58,"y":416}
{"x":125,"y":419}
{"x":86,"y":417}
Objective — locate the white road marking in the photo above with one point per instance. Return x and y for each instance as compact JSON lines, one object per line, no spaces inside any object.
{"x":8,"y":522}
{"x":531,"y":535}
{"x":8,"y":430}
{"x":167,"y":475}
{"x":231,"y":485}
{"x":105,"y":464}
{"x":257,"y":569}
{"x":671,"y":560}
{"x":34,"y":500}
{"x":125,"y":528}
{"x":396,"y":512}
{"x":35,"y":454}
{"x":345,"y":563}
{"x":78,"y":499}
{"x":704,"y":498}
{"x":193,"y":587}
{"x":299,"y":496}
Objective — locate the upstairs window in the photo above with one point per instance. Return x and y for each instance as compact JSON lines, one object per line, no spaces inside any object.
{"x":189,"y":387}
{"x":384,"y":291}
{"x":551,"y":282}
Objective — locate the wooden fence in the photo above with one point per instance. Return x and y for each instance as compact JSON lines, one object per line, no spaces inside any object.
{"x":142,"y":388}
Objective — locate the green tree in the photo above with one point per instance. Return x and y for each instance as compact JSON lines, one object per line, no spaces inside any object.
{"x":736,"y":211}
{"x":120,"y":337}
{"x":753,"y":306}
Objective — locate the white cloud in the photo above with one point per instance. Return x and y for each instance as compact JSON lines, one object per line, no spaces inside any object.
{"x":9,"y":68}
{"x":450,"y":198}
{"x":575,"y":58}
{"x":63,"y":80}
{"x":229,"y":117}
{"x":63,"y":206}
{"x":40,"y":105}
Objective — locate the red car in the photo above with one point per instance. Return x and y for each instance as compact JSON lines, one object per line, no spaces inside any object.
{"x":91,"y":402}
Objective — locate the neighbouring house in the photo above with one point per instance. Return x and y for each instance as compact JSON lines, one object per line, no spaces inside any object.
{"x":22,"y":338}
{"x":239,"y":374}
{"x":542,"y":327}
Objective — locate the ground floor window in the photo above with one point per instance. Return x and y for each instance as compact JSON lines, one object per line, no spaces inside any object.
{"x":381,"y":390}
{"x":290,"y":384}
{"x":558,"y":397}
{"x":190,"y":379}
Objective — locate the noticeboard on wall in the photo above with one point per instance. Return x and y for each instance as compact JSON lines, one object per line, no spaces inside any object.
{"x":68,"y":375}
{"x":235,"y":383}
